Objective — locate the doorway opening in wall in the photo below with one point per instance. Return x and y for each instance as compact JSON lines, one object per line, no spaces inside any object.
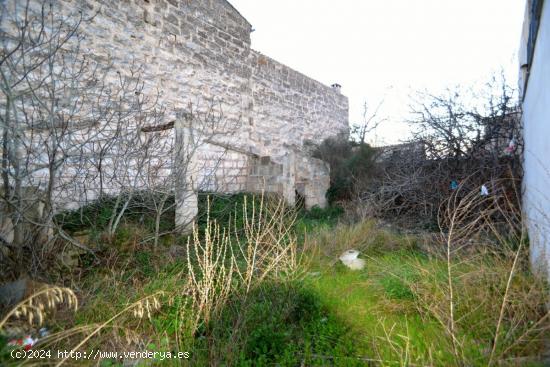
{"x":300,"y":200}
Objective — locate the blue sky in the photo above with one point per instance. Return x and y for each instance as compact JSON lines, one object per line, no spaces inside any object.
{"x":388,"y":49}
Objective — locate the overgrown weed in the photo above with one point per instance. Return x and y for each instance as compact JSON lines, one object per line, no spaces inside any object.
{"x":258,"y":292}
{"x":467,"y":297}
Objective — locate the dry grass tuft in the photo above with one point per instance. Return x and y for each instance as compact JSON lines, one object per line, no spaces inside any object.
{"x":364,"y":236}
{"x":488,"y":286}
{"x":36,"y":307}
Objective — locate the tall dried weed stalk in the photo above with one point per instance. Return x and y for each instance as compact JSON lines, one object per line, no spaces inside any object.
{"x":488,"y":288}
{"x":226,"y":260}
{"x":221,"y":261}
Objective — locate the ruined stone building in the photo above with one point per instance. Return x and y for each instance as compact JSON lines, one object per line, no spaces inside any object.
{"x":197,"y":54}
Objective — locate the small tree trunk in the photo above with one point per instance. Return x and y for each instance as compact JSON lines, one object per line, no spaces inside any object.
{"x":160,"y":211}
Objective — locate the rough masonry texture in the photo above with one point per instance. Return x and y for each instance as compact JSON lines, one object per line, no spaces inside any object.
{"x":198,"y":51}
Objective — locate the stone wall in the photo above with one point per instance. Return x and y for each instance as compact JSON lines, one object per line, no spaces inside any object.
{"x":197,"y":53}
{"x":290,"y":108}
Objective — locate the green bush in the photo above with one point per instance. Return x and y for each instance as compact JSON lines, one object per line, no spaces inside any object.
{"x":351,"y":166}
{"x":312,"y":220}
{"x":328,"y":214}
{"x":96,"y":214}
{"x":275,"y":324}
{"x":224,"y":208}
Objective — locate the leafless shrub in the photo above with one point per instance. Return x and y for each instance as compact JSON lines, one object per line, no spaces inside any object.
{"x":459,"y":137}
{"x":75,"y":128}
{"x":65,"y":118}
{"x":371,"y":120}
{"x":487,"y":274}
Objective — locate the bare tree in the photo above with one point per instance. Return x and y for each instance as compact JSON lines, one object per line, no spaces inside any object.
{"x":370,"y":121}
{"x":460,"y":124}
{"x":191,"y":165}
{"x":76,"y":129}
{"x":458,"y":134}
{"x":40,"y":96}
{"x":60,"y":113}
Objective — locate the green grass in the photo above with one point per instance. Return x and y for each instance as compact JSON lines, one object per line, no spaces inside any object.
{"x":283,"y":324}
{"x":379,"y":307}
{"x":389,"y":322}
{"x":334,"y":316}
